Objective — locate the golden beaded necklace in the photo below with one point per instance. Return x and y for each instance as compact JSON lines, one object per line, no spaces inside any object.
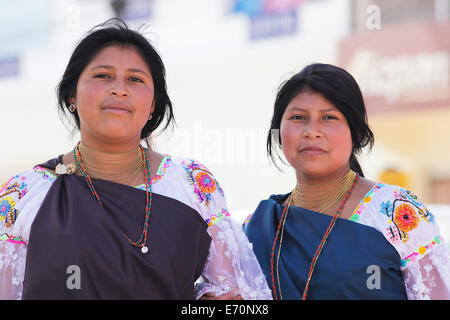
{"x":319,"y":249}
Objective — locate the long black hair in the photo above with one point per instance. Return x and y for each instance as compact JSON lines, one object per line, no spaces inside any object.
{"x":337,"y":86}
{"x":115,"y":32}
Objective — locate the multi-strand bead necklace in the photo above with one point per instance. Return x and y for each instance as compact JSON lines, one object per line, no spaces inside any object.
{"x":316,"y":254}
{"x":142,"y":242}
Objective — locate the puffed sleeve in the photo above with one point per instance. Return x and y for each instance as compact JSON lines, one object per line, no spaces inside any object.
{"x":231,"y":264}
{"x":413,"y":231}
{"x":20,"y":200}
{"x":12,"y":247}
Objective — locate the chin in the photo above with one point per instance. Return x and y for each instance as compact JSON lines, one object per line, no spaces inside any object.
{"x":118,"y":134}
{"x":315,"y":171}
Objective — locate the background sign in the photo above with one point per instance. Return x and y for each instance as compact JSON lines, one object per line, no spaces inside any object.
{"x":269,"y":18}
{"x":395,"y":71}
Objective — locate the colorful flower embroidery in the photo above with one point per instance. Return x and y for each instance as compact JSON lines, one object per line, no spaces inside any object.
{"x":404,"y":213}
{"x":405,"y":218}
{"x":205,"y":182}
{"x":202,"y":180}
{"x":386,"y":207}
{"x":216,"y":218}
{"x":20,"y":189}
{"x":7,"y":211}
{"x":407,"y":195}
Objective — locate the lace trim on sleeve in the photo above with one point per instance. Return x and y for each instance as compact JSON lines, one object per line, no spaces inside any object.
{"x":12,"y":270}
{"x":231,"y":264}
{"x":429,"y":277}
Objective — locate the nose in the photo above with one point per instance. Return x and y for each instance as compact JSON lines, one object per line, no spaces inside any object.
{"x":313,"y":130}
{"x":118,"y":89}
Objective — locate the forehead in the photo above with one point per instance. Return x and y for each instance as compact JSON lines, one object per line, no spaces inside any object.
{"x":311,"y":101}
{"x":119,"y":57}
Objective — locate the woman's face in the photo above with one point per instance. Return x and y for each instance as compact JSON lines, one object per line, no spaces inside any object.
{"x":316,"y":138}
{"x":114,"y":97}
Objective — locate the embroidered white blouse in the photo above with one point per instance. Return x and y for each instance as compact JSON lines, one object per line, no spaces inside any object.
{"x":231,"y":264}
{"x":413,"y":231}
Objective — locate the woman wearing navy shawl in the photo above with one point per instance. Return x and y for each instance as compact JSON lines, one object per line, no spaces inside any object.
{"x":338,"y":235}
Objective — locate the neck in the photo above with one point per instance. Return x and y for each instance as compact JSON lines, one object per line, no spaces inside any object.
{"x":307,"y":179}
{"x":105,"y":145}
{"x":119,"y":166}
{"x":322,"y":194}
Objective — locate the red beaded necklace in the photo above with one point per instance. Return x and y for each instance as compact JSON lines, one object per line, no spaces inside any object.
{"x":319,"y":248}
{"x":141,"y":243}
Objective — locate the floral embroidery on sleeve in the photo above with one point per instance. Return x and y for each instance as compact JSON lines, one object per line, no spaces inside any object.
{"x":405,"y":213}
{"x":202,"y":180}
{"x":422,"y":250}
{"x":45,"y":173}
{"x":365,"y":202}
{"x":217,"y":217}
{"x":11,"y":192}
{"x":12,"y":239}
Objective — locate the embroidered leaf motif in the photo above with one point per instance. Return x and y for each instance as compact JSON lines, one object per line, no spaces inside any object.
{"x":387,"y":208}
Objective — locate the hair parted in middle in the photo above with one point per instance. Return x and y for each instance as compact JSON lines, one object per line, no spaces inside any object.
{"x":338,"y":87}
{"x":115,"y":32}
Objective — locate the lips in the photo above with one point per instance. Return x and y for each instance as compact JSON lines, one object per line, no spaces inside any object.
{"x":312,"y":150}
{"x":116,"y":108}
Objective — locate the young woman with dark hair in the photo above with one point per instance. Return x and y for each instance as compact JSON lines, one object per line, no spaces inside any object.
{"x":338,"y":235}
{"x":111,"y":219}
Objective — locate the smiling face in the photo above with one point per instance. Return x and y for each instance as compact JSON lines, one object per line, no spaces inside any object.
{"x":315,"y":138}
{"x":114,"y":97}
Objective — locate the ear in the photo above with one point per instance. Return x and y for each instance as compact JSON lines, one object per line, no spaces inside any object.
{"x":72,"y":100}
{"x":152,"y":108}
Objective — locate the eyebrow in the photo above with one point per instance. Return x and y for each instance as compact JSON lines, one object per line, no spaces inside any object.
{"x":130,"y":69}
{"x":323,"y":110}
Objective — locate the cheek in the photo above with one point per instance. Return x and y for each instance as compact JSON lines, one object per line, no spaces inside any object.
{"x":144,"y":105}
{"x":289,"y":138}
{"x":342,"y":140}
{"x":88,"y":95}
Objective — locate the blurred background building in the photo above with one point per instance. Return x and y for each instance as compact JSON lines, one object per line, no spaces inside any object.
{"x":225,"y":60}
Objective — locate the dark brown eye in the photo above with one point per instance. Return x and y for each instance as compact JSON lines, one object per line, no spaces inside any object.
{"x":135,"y":79}
{"x":102,"y":76}
{"x":297,"y":118}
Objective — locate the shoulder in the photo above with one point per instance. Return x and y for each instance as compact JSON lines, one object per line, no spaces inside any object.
{"x":200,"y":178}
{"x":266,"y":209}
{"x":391,"y":199}
{"x":22,"y":183}
{"x":21,"y":190}
{"x":399,"y":205}
{"x":193,"y":183}
{"x":404,"y":220}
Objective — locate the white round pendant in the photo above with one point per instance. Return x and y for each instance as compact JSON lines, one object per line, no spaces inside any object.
{"x":144,"y":249}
